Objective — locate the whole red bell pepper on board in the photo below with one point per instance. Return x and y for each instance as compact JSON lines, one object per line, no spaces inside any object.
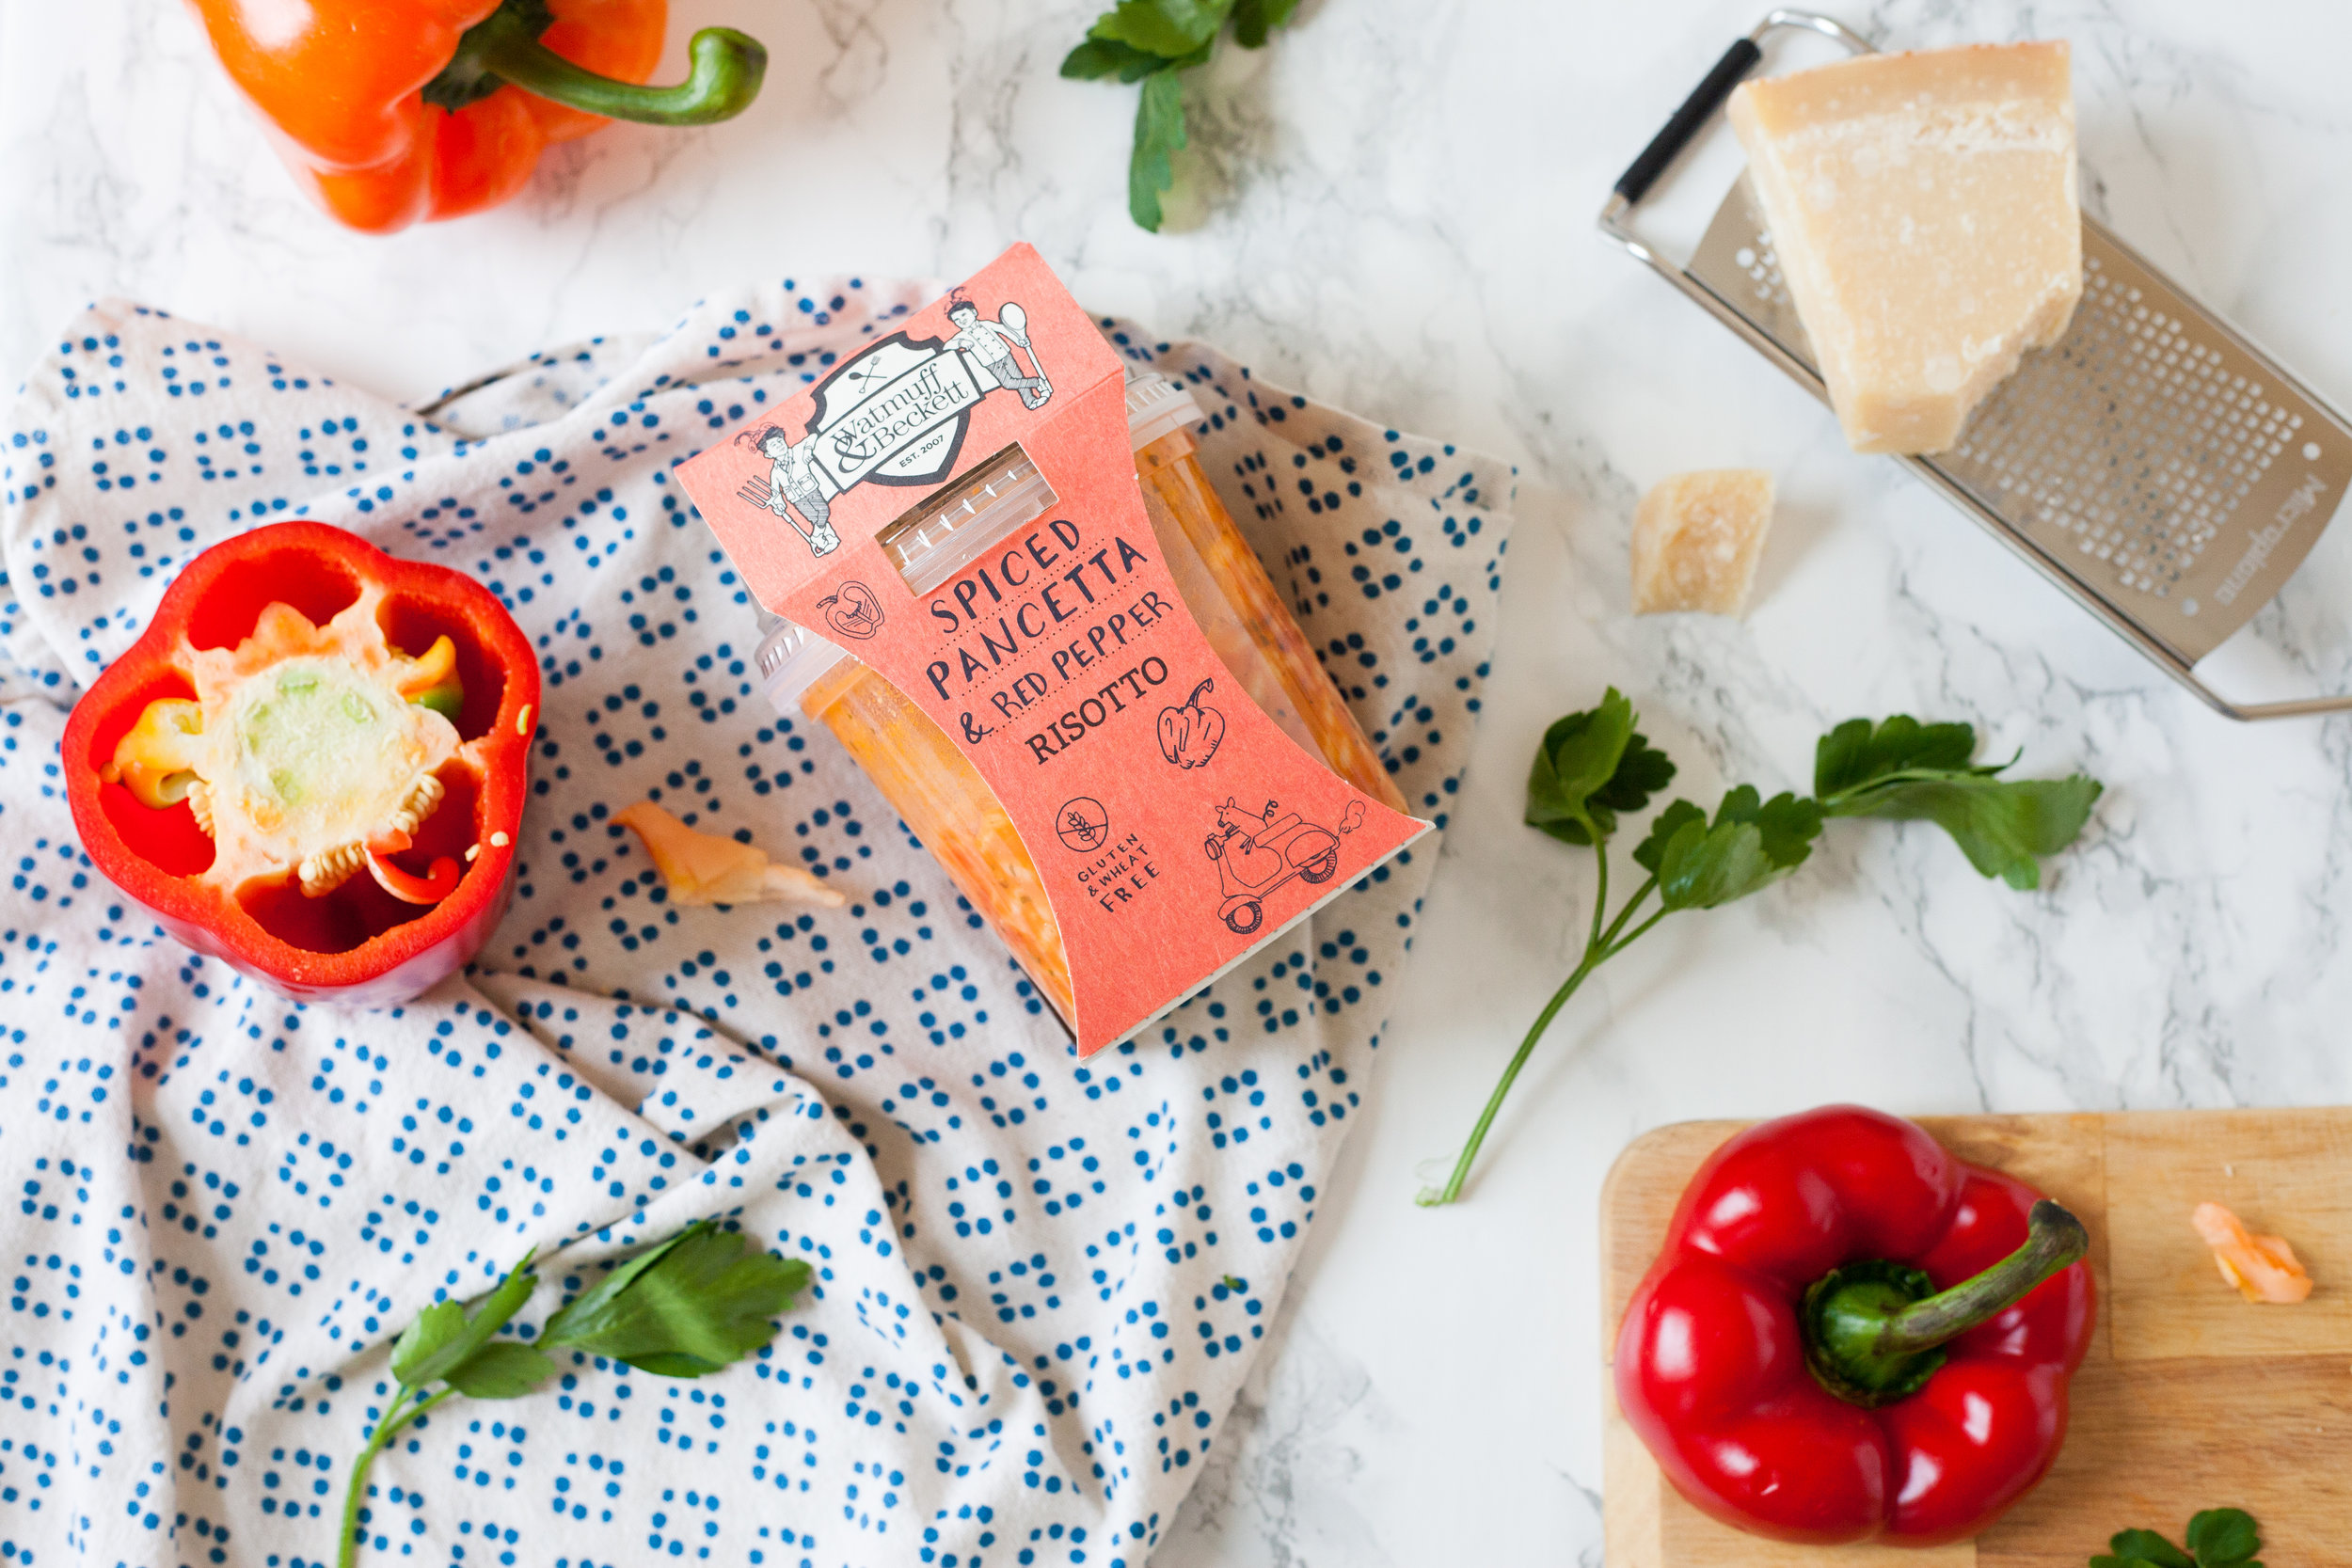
{"x":390,"y":111}
{"x":312,"y":764}
{"x":1850,"y":1335}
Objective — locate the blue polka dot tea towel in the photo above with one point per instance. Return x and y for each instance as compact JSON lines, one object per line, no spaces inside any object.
{"x":1039,"y":1282}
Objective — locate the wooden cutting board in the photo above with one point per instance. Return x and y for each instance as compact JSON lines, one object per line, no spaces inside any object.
{"x":2191,"y":1397}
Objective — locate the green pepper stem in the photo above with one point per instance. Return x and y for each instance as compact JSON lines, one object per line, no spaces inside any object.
{"x":727,"y":70}
{"x":1874,"y":1330}
{"x":2055,"y":1239}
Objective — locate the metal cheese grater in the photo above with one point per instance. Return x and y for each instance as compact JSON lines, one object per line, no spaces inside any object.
{"x":2153,"y":464}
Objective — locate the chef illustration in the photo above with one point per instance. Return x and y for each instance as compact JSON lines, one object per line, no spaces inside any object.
{"x":991,"y":345}
{"x":793,"y":491}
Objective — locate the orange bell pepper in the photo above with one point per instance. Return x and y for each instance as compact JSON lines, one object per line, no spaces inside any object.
{"x":392,"y":111}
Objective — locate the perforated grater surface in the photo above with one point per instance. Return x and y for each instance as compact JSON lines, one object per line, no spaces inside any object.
{"x":2158,"y":467}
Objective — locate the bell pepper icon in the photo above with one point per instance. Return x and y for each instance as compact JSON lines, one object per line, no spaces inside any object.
{"x":1189,"y":735}
{"x":853,"y":612}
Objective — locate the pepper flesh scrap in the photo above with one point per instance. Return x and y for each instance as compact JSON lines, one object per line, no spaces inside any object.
{"x":156,"y":759}
{"x":704,"y":868}
{"x":305,"y":747}
{"x":2262,"y":1268}
{"x":437,"y":882}
{"x":431,"y":680}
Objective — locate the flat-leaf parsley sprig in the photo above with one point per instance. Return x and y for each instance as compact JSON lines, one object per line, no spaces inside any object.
{"x":700,"y":1301}
{"x":1152,"y":41}
{"x":2217,"y":1538}
{"x":1595,"y":767}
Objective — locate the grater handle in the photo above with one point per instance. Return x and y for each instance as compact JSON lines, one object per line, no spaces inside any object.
{"x":1705,"y":100}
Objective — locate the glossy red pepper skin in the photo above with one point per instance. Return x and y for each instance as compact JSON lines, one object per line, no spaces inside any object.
{"x":157,"y":857}
{"x":1710,"y":1365}
{"x":340,"y":85}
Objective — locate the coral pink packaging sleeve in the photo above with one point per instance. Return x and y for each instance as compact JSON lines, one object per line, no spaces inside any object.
{"x":1175,"y":829}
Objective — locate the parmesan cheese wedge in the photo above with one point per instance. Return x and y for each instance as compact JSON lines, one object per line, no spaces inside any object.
{"x":1696,"y":538}
{"x":1924,"y":210}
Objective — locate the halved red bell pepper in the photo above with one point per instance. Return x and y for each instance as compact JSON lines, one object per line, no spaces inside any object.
{"x":1850,"y":1335}
{"x":312,"y":765}
{"x":392,"y":111}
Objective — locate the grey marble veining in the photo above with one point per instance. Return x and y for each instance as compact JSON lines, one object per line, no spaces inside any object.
{"x":1391,"y":207}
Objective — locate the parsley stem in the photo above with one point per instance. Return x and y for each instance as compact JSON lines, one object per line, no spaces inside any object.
{"x":1601,"y":894}
{"x":354,"y":1489}
{"x":1603,"y":944}
{"x":1607,"y":943}
{"x":1634,"y":935}
{"x":1453,"y":1188}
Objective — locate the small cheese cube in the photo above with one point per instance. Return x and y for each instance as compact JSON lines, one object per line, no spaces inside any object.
{"x":1696,"y":539}
{"x":1923,"y":207}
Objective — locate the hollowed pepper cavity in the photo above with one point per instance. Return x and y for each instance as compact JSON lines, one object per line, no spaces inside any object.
{"x":310,"y":747}
{"x":272,"y":736}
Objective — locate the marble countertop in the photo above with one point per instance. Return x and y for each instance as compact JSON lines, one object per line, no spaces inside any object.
{"x":1398,"y":217}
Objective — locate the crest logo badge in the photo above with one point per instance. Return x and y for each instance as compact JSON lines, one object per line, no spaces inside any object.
{"x":895,"y":415}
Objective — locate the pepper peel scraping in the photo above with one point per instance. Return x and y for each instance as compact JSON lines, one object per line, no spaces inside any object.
{"x":1850,"y":1335}
{"x":2260,"y":1268}
{"x":312,"y":764}
{"x":700,"y":869}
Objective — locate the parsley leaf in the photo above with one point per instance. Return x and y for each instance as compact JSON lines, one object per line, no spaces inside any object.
{"x":2146,"y":1546}
{"x":2217,"y":1538}
{"x":1786,"y":824}
{"x":1651,"y":853}
{"x":1151,"y":42}
{"x":1168,"y":29}
{"x":1590,"y":766}
{"x":443,"y":1338}
{"x":2005,"y":828}
{"x":696,"y":1303}
{"x":1159,"y":136}
{"x":1097,"y":57}
{"x":1641,"y":772}
{"x":1858,"y":753}
{"x":1749,"y":846}
{"x":700,"y":1301}
{"x":1905,"y":770}
{"x":502,"y":1370}
{"x":2224,"y":1538}
{"x":1254,"y":19}
{"x":436,"y":1329}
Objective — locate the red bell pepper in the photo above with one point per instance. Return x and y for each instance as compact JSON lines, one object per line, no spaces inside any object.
{"x":312,"y":764}
{"x":1850,"y":1335}
{"x":389,"y":111}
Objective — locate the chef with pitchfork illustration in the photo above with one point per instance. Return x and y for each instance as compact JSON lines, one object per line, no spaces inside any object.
{"x":793,"y":487}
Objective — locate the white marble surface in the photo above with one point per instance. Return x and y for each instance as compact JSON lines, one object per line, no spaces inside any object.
{"x":1400,"y":220}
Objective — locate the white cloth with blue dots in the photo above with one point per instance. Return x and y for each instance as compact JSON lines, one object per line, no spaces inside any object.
{"x":1040,"y":1282}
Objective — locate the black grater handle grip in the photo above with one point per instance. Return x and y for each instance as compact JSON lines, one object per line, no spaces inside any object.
{"x":1705,"y":100}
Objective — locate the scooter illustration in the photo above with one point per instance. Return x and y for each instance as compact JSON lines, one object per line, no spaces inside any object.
{"x":1255,"y":855}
